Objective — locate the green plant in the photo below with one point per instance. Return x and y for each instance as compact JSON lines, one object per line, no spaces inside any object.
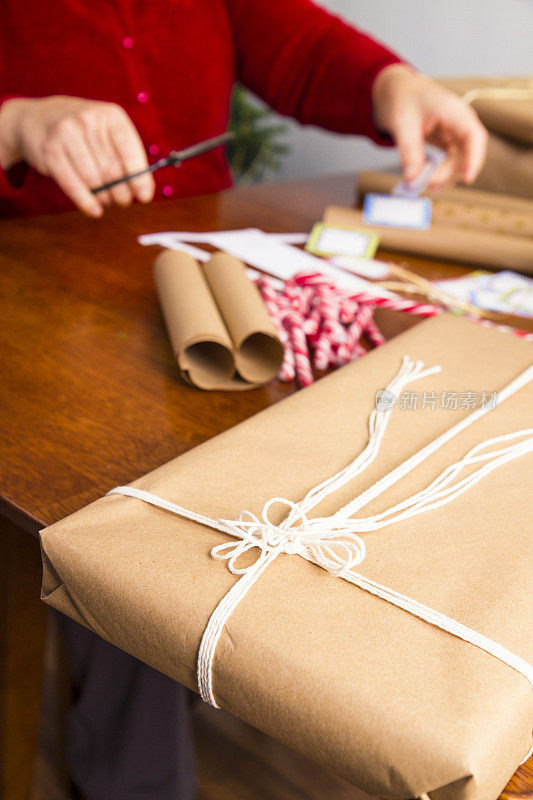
{"x":256,"y":152}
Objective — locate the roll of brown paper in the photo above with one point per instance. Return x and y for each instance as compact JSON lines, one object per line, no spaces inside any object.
{"x":454,"y":244}
{"x":218,"y":325}
{"x":258,"y":352}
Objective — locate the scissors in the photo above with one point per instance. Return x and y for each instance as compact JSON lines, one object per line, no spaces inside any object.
{"x":174,"y":159}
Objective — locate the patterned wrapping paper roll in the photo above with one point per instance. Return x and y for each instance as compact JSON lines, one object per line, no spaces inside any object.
{"x":465,"y":208}
{"x":476,"y":244}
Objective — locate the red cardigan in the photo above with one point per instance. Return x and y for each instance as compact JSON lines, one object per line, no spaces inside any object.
{"x":172,"y":64}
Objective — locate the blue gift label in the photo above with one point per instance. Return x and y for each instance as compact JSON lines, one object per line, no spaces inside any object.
{"x":397,"y":212}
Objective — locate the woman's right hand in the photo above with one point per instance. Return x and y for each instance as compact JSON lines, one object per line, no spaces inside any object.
{"x":79,"y":143}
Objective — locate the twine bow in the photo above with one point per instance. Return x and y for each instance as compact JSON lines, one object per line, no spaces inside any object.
{"x":335,"y":549}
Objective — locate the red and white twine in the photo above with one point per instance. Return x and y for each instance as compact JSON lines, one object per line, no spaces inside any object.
{"x":322,"y":326}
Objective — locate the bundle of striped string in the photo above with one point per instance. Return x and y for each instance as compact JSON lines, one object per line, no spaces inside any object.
{"x":322,"y":325}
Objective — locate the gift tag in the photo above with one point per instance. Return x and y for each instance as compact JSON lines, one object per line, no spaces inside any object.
{"x":397,"y":212}
{"x":331,"y":240}
{"x":506,"y":292}
{"x":415,"y":187}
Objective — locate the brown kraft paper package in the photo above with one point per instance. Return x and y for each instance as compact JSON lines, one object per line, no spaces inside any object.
{"x":219,"y":327}
{"x":393,"y":704}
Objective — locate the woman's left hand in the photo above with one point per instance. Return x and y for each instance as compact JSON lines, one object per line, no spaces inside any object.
{"x":413,"y":110}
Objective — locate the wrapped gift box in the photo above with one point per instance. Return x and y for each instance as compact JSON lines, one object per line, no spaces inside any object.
{"x":393,"y":704}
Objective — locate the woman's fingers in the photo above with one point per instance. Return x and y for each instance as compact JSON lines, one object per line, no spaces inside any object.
{"x":415,"y":109}
{"x":446,"y":173}
{"x":473,"y":150}
{"x":83,"y":144}
{"x":465,"y":140}
{"x":129,"y":148}
{"x":409,"y":139}
{"x":90,"y":156}
{"x":111,"y":166}
{"x":84,"y":159}
{"x":60,"y":167}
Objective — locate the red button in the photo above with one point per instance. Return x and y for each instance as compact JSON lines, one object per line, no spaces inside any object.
{"x":153,"y":149}
{"x":127,"y":43}
{"x":142,"y":97}
{"x":167,"y":190}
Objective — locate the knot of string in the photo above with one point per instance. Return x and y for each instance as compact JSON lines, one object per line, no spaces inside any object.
{"x":336,"y":550}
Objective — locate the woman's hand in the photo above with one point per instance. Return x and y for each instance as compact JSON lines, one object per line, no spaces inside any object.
{"x":79,"y":143}
{"x":414,"y":109}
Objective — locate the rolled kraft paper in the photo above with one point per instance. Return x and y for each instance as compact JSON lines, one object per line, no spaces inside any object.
{"x":465,"y":208}
{"x":258,"y":352}
{"x":199,"y":338}
{"x":446,"y":243}
{"x":510,"y":116}
{"x":218,"y":325}
{"x":508,"y":169}
{"x":393,"y":704}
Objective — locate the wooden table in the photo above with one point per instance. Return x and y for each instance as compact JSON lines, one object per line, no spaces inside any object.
{"x":90,"y":396}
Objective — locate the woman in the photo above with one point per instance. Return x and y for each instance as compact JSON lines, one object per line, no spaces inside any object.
{"x":91,"y":91}
{"x":91,"y":88}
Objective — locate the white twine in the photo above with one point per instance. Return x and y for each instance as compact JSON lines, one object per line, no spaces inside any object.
{"x":334,"y":543}
{"x":498,"y":93}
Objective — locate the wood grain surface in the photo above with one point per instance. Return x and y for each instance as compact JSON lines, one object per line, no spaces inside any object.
{"x":90,"y":396}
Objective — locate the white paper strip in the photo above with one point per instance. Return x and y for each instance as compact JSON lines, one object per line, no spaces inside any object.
{"x":290,"y":238}
{"x":260,"y":250}
{"x":264,"y":251}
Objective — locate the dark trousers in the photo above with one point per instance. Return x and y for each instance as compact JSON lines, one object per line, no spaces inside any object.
{"x":128,"y":731}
